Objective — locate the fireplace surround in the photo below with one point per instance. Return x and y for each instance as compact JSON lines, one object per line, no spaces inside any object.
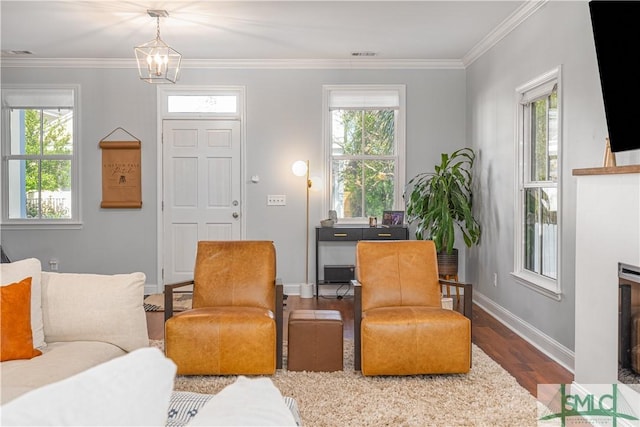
{"x":629,"y":317}
{"x":607,"y":233}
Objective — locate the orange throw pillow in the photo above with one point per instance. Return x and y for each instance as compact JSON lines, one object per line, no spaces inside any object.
{"x":15,"y":322}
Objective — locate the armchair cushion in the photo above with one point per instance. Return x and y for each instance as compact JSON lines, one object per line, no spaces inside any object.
{"x":224,"y":279}
{"x":398,"y":282}
{"x":437,"y":341}
{"x":229,"y":341}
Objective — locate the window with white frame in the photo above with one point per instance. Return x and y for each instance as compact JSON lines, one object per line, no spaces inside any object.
{"x":365,"y":149}
{"x":39,"y":156}
{"x":538,"y":235}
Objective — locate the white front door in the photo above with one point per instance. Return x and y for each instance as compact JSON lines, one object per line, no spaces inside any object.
{"x":201,"y":189}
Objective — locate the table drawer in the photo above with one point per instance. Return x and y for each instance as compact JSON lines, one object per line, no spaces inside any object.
{"x":337,"y":233}
{"x":398,"y":233}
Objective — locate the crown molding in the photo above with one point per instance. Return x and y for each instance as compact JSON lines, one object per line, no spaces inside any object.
{"x":520,"y":15}
{"x":27,"y":62}
{"x":360,"y":63}
{"x":240,"y":63}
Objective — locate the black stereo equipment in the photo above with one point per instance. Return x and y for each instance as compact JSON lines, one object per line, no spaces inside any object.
{"x":339,"y":273}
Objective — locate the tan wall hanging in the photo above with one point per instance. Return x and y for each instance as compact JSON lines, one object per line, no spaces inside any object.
{"x":121,"y":173}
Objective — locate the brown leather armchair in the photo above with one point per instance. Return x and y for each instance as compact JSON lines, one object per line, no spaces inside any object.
{"x":400,"y":327}
{"x":235,"y":325}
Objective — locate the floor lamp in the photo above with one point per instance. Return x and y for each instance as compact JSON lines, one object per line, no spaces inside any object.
{"x":301,"y":168}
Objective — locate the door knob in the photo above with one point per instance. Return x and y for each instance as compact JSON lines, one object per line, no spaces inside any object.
{"x":235,"y":215}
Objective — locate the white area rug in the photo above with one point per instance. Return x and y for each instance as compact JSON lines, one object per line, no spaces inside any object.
{"x":487,"y":396}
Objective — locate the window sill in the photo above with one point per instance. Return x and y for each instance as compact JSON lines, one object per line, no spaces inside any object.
{"x":546,"y":287}
{"x":41,"y":225}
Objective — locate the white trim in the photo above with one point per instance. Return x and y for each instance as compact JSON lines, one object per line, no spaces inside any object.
{"x":266,"y":64}
{"x":165,"y":91}
{"x":162,"y":92}
{"x":520,"y":15}
{"x":75,"y":222}
{"x":150,"y":289}
{"x":400,"y":140}
{"x":547,"y":345}
{"x":546,"y":286}
{"x":25,"y":225}
{"x":542,"y":80}
{"x":538,"y":283}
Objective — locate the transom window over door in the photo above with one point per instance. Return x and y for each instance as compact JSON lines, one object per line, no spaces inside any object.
{"x":538,"y":222}
{"x":364,"y":133}
{"x":39,"y":156}
{"x":201,"y":166}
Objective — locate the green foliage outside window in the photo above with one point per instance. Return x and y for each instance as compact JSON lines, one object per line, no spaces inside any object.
{"x":46,"y":136}
{"x":540,"y":213}
{"x":363,"y":161}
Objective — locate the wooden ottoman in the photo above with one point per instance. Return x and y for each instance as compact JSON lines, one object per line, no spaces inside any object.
{"x":315,"y":341}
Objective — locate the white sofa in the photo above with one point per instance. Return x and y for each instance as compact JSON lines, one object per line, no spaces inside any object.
{"x":78,"y":321}
{"x":83,"y":324}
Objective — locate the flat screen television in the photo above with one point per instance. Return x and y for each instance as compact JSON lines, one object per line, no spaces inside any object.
{"x":616,"y":33}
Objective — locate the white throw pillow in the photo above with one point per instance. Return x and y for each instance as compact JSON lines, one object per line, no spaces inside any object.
{"x":131,"y":390}
{"x":95,"y":307}
{"x":246,"y":402}
{"x":16,"y":271}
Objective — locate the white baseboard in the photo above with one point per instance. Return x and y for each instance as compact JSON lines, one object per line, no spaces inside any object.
{"x":526,"y":331}
{"x":150,"y":289}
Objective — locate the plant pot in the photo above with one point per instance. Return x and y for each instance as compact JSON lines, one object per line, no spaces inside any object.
{"x":448,"y":263}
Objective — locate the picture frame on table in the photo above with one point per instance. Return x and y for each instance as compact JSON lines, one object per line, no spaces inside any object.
{"x":393,"y":218}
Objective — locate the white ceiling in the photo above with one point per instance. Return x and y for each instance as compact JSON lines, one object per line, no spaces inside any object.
{"x":428,"y":31}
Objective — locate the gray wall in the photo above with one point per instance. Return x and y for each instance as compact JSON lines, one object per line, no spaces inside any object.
{"x":446,"y":109}
{"x":283,"y":123}
{"x":557,"y":34}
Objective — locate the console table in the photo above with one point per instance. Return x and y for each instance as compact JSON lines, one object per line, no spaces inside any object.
{"x":354,"y":234}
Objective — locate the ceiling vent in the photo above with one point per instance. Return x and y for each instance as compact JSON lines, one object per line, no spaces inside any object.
{"x":9,"y":52}
{"x":364,"y":53}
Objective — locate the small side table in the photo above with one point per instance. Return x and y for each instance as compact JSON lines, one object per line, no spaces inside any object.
{"x":315,"y":341}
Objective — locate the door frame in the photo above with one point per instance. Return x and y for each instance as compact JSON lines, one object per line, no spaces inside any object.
{"x":162,"y":94}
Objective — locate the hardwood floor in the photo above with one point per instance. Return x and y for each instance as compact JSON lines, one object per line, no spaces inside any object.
{"x":527,"y":364}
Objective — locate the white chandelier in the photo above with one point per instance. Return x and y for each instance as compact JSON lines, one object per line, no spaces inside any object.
{"x":157,"y":61}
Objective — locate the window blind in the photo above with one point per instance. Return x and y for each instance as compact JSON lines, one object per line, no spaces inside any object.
{"x":37,"y":98}
{"x":354,"y":99}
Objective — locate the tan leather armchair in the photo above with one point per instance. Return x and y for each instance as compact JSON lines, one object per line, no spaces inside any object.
{"x":400,"y":327}
{"x":235,"y":325}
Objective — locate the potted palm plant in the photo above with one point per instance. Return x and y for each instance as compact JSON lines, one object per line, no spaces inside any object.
{"x":439,"y":202}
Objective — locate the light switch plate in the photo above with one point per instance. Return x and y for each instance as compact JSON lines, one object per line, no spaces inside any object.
{"x":276,"y":200}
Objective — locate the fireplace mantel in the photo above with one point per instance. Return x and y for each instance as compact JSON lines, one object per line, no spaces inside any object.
{"x":607,"y":232}
{"x":607,"y":170}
